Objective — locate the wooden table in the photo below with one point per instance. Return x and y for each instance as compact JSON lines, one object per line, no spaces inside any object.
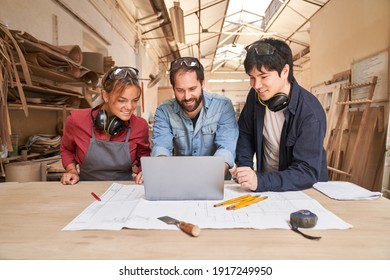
{"x":32,"y":216}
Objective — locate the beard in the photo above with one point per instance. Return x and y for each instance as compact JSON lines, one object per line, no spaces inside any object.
{"x":190,"y":107}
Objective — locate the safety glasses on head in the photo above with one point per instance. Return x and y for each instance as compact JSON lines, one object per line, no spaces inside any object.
{"x":123,"y":72}
{"x":187,"y":61}
{"x":261,"y":48}
{"x":117,"y":73}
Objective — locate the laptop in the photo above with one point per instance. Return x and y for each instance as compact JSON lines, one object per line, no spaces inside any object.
{"x":183,"y":177}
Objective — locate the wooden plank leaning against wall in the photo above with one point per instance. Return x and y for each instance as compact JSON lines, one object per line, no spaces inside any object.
{"x":357,"y":119}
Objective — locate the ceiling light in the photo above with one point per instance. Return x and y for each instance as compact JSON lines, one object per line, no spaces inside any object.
{"x":177,"y":19}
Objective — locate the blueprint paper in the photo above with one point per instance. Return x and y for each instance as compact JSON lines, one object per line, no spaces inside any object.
{"x":111,"y":212}
{"x":124,"y":206}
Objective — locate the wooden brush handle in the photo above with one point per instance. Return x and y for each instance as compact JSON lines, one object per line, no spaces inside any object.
{"x":190,"y":229}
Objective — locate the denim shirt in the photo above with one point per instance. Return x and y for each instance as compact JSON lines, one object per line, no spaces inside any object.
{"x":215,"y":133}
{"x":302,"y":158}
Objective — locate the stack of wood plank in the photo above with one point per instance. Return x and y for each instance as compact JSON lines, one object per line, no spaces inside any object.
{"x":44,"y":144}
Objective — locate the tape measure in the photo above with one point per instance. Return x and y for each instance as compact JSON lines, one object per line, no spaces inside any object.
{"x":303,"y":219}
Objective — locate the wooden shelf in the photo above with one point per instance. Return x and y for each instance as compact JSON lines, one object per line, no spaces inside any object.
{"x":359,"y":85}
{"x":19,"y":158}
{"x":357,"y":101}
{"x":40,"y":107}
{"x":50,"y":81}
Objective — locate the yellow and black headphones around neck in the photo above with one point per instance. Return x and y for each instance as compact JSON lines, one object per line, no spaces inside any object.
{"x":276,"y":103}
{"x":111,"y":125}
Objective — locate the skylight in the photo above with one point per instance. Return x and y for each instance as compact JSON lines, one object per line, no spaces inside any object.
{"x":241,"y":16}
{"x":246,"y":11}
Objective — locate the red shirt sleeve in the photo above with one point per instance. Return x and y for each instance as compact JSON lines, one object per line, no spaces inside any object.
{"x":76,"y":137}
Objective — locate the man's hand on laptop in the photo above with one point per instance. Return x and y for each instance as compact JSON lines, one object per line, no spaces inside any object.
{"x":233,"y":172}
{"x":138,"y":178}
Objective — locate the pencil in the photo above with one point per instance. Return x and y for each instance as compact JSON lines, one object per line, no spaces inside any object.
{"x":246,"y":203}
{"x":95,"y":196}
{"x":233,"y":200}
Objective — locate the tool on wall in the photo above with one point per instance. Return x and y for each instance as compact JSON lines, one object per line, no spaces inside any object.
{"x":153,"y":79}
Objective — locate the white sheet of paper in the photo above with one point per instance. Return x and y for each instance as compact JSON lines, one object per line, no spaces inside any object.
{"x":124,"y":206}
{"x":341,"y":190}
